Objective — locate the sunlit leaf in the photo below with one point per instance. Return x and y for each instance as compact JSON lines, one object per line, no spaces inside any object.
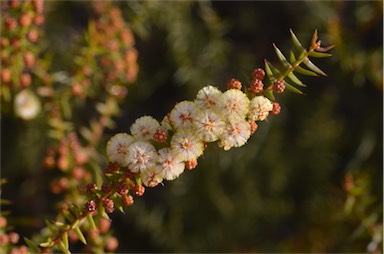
{"x":292,"y":57}
{"x":91,"y":221}
{"x":80,"y":235}
{"x":33,"y":248}
{"x":303,"y":71}
{"x":281,"y":57}
{"x":292,"y":88}
{"x":295,"y":80}
{"x":313,"y":67}
{"x":319,"y":54}
{"x":65,"y":240}
{"x":296,"y":41}
{"x":269,"y":94}
{"x":268,"y":71}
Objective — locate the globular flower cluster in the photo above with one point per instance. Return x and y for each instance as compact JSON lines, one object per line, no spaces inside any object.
{"x":20,"y":31}
{"x":154,"y":151}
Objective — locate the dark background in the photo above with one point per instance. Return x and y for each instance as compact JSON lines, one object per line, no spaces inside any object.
{"x":282,"y":191}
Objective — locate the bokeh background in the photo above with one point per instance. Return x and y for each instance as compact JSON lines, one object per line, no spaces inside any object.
{"x":287,"y":189}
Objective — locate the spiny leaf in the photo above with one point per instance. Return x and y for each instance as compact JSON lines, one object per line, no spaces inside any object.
{"x":321,"y":49}
{"x":269,"y":94}
{"x":281,"y":57}
{"x":319,"y":54}
{"x":51,"y":227}
{"x":292,"y":57}
{"x":292,"y":88}
{"x":303,"y":71}
{"x":295,"y":80}
{"x":47,"y":244}
{"x":268,"y":71}
{"x":65,"y":240}
{"x":91,"y":221}
{"x":314,"y":38}
{"x":67,"y":215}
{"x":62,"y":247}
{"x":296,"y":41}
{"x":33,"y":248}
{"x":80,"y":235}
{"x":274,"y":70}
{"x":313,"y":67}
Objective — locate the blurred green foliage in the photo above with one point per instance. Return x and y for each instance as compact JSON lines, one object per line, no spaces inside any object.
{"x":283,"y":191}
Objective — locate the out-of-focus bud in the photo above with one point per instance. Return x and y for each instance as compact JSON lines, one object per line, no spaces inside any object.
{"x":27,"y":105}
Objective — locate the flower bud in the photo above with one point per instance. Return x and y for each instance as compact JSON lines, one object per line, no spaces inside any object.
{"x":278,"y":86}
{"x":127,"y":200}
{"x":108,"y":205}
{"x":234,"y":84}
{"x":138,"y":190}
{"x":90,"y":206}
{"x":258,"y":74}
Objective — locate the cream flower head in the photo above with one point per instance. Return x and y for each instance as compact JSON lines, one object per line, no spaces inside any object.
{"x":151,"y":177}
{"x":144,"y":128}
{"x":234,"y":104}
{"x":186,"y":145}
{"x":235,"y":134}
{"x":27,"y":105}
{"x":209,"y":126}
{"x":208,"y":98}
{"x":183,"y":114}
{"x":168,"y":165}
{"x":117,"y":148}
{"x":259,"y":108}
{"x":141,"y":156}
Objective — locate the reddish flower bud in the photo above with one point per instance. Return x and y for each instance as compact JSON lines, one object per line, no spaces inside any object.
{"x":160,"y":135}
{"x":276,"y":108}
{"x":111,"y":244}
{"x":90,"y":206}
{"x":25,"y":79}
{"x":122,"y":189}
{"x":234,"y":84}
{"x":278,"y":86}
{"x":104,"y":225}
{"x":108,"y":205}
{"x":138,"y":190}
{"x":258,"y":74}
{"x":253,"y":125}
{"x":127,"y":200}
{"x":256,"y":86}
{"x":191,"y":164}
{"x":29,"y":59}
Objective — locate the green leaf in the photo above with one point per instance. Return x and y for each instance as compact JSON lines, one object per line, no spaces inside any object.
{"x":47,"y":244}
{"x":62,"y":247}
{"x":80,"y":235}
{"x":268,"y":71}
{"x":295,"y":80}
{"x":65,"y":240}
{"x":314,"y":38}
{"x":269,"y":94}
{"x":319,"y":54}
{"x":296,"y":41}
{"x":292,"y":88}
{"x":91,"y":221}
{"x":303,"y":71}
{"x":313,"y":67}
{"x":281,"y":57}
{"x":51,"y":227}
{"x":292,"y":57}
{"x":33,"y":248}
{"x":274,"y":70}
{"x":68,"y":215}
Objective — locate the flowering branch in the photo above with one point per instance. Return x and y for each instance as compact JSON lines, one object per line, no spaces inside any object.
{"x":157,"y":151}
